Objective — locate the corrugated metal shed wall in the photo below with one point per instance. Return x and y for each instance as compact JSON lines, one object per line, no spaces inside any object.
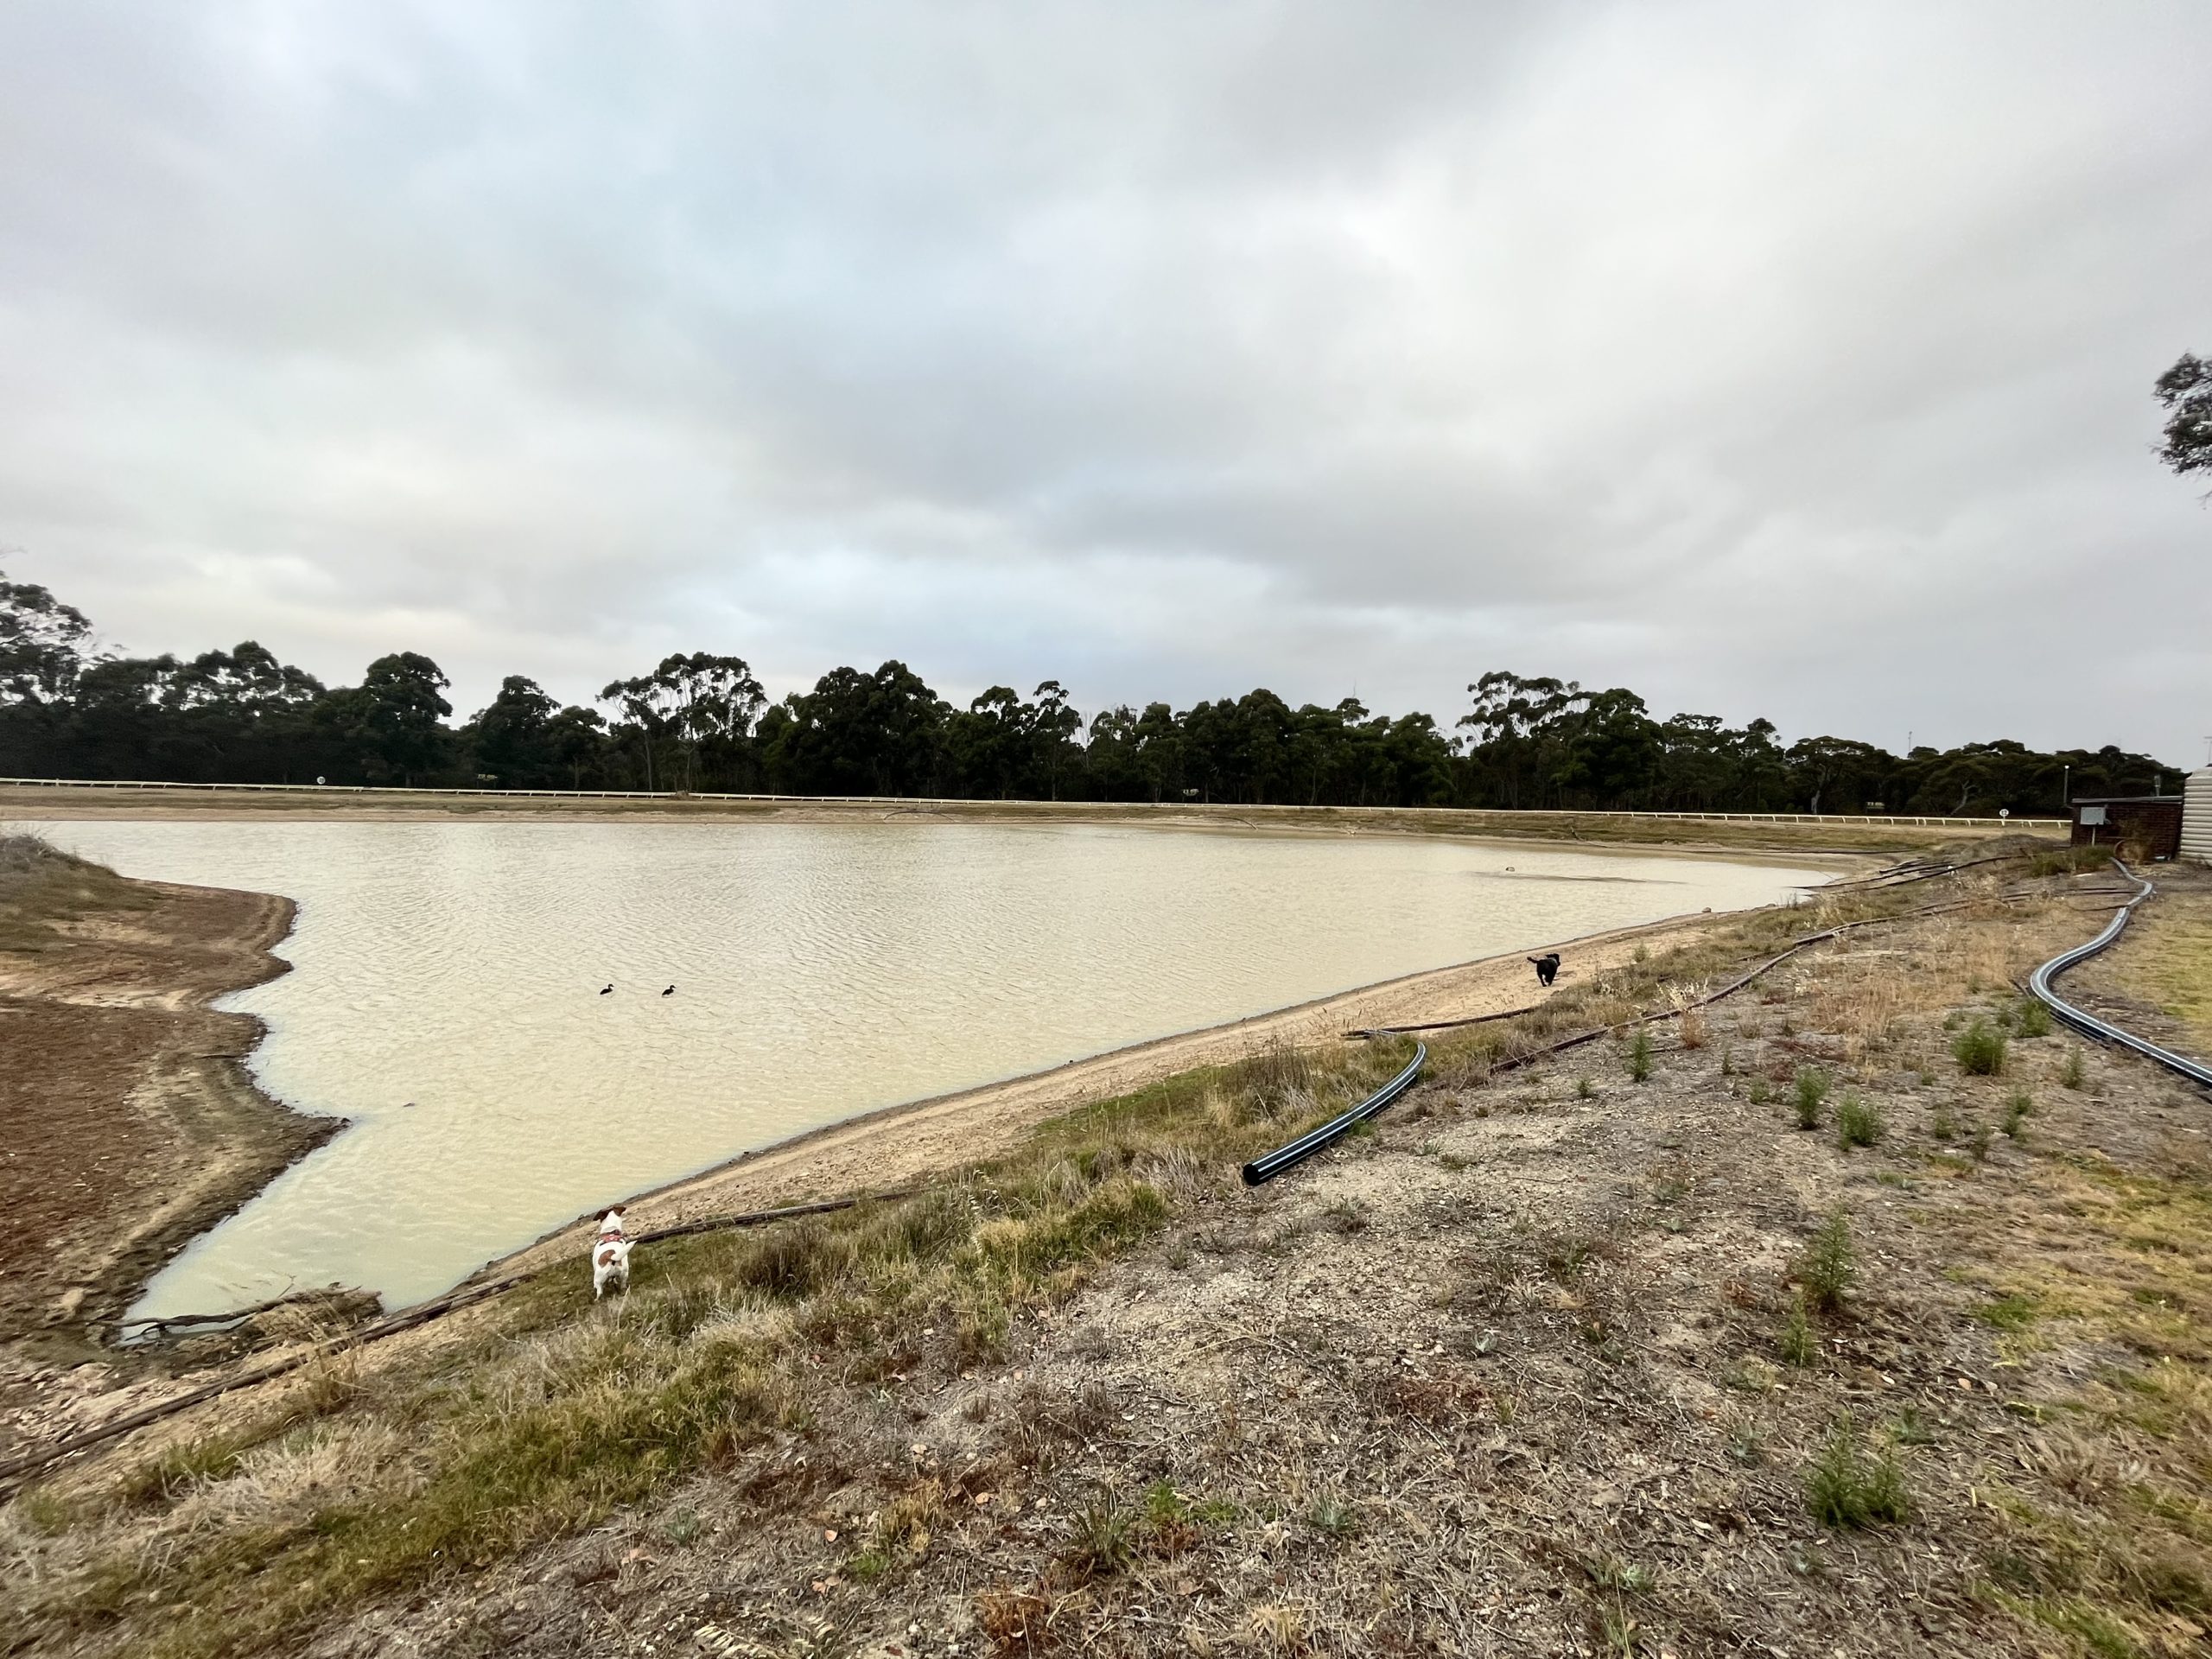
{"x":2196,"y":818}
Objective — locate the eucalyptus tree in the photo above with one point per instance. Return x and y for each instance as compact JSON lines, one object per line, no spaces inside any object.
{"x":2185,"y":392}
{"x":43,"y":643}
{"x":702,"y":702}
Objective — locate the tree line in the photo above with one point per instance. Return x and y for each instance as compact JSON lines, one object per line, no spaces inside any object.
{"x":702,"y":722}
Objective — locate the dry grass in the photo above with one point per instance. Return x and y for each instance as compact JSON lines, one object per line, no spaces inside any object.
{"x":44,"y":890}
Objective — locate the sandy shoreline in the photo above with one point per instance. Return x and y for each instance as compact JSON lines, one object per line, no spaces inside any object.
{"x":1751,"y":838}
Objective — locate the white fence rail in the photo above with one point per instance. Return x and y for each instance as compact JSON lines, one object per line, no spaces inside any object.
{"x":1936,"y":821}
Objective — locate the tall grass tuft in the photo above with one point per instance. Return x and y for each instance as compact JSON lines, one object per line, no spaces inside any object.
{"x":1271,"y":1080}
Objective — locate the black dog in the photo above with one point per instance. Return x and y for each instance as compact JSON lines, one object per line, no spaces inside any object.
{"x":1546,"y":967}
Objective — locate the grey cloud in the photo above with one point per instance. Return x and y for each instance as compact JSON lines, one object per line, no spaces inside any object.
{"x":1784,"y":361}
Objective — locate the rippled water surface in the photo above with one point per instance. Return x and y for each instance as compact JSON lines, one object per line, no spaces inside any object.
{"x":446,"y":997}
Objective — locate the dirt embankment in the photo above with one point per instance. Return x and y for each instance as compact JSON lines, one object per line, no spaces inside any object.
{"x":131,"y":1122}
{"x":1621,"y":831}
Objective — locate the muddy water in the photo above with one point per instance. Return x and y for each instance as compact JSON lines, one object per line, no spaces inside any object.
{"x":445,"y":992}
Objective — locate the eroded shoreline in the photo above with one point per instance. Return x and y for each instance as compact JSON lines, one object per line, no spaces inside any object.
{"x":134,"y":1124}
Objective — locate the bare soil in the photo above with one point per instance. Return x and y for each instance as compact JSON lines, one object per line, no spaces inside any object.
{"x":132,"y":1124}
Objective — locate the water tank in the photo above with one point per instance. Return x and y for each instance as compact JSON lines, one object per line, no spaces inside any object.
{"x":2196,"y":818}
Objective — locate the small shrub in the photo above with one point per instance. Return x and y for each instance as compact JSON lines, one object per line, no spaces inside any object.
{"x":1979,"y":1050}
{"x":1812,"y":1089}
{"x":1844,"y":1488}
{"x":1727,"y":1060}
{"x":1798,"y":1346}
{"x":1746,"y":1446}
{"x":1829,"y":1264}
{"x":1943,"y":1126}
{"x":1980,"y":1143}
{"x":1639,"y":1055}
{"x":2076,"y":1073}
{"x":1642,"y":953}
{"x":1858,"y":1122}
{"x":1584,"y":1090}
{"x":1694,"y":1033}
{"x":1347,"y":1217}
{"x":1760,"y":1092}
{"x":2016,"y":1114}
{"x":2032,"y":1019}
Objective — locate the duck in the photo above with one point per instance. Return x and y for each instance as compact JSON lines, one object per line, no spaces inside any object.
{"x":607,"y":989}
{"x":671,"y":991}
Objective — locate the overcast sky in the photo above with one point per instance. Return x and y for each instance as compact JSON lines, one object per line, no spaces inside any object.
{"x":1783,"y":360}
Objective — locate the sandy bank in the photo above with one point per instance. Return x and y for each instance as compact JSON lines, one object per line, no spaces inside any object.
{"x":1609,"y":831}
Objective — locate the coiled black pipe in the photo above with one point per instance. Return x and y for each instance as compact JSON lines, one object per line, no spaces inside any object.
{"x":2088,"y":1024}
{"x":1268,"y":1167}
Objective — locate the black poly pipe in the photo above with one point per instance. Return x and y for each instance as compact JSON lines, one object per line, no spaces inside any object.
{"x":1270,"y":1165}
{"x":2088,"y":1024}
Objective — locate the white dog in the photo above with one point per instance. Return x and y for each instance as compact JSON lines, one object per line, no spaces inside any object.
{"x":610,"y":1256}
